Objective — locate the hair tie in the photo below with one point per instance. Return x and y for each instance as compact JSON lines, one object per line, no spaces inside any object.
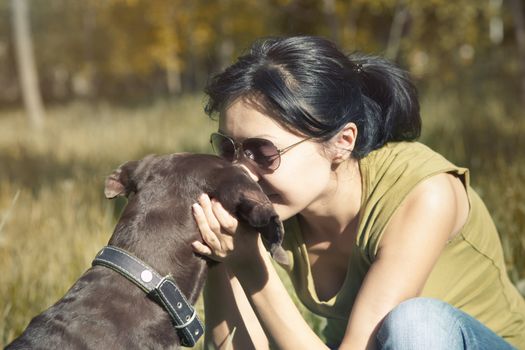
{"x":358,"y":68}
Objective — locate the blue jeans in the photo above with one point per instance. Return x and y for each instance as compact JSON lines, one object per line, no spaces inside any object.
{"x":431,"y":324}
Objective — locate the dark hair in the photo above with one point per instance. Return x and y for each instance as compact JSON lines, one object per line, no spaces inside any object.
{"x":312,"y":87}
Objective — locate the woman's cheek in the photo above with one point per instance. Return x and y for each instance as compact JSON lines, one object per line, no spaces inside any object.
{"x":288,"y":201}
{"x":293,"y":198}
{"x":299,"y":181}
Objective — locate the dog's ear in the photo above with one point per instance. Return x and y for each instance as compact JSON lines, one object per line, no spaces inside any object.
{"x":120,"y":182}
{"x":256,"y":209}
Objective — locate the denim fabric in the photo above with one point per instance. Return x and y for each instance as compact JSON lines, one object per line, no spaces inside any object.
{"x":431,"y":324}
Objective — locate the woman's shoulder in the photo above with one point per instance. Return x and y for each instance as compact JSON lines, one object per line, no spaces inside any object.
{"x":401,"y":150}
{"x":405,"y":159}
{"x":389,"y":174}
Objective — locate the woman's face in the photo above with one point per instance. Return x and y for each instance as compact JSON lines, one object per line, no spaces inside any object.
{"x":304,"y":176}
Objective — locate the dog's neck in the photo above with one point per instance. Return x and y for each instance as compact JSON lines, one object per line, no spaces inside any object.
{"x":188,"y":270}
{"x":168,"y":250}
{"x":189,"y":274}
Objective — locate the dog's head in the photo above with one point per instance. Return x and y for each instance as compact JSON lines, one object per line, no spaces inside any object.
{"x":161,"y":190}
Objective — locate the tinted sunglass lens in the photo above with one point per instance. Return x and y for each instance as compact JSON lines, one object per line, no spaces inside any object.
{"x":223,"y":146}
{"x":262,"y":152}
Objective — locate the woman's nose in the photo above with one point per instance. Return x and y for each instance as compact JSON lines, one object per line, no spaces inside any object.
{"x":249,"y":169}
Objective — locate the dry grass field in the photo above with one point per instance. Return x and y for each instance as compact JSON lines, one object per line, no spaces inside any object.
{"x":54,"y":217}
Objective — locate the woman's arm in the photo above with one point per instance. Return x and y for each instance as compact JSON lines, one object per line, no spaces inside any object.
{"x":274,"y":308}
{"x":230,"y":320}
{"x":250,"y":263}
{"x":409,"y":249}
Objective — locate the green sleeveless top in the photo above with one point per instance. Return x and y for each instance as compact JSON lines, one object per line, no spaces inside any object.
{"x":470,"y":273}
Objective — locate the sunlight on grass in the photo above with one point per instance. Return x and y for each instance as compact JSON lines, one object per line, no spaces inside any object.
{"x":54,"y":217}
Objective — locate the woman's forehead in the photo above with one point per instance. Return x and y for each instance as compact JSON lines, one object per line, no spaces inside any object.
{"x":243,"y":120}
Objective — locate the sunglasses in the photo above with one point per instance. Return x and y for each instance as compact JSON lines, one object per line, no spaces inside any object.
{"x":260,"y":152}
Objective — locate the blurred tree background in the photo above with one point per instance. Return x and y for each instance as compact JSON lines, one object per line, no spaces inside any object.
{"x":119,"y":79}
{"x":134,"y":50}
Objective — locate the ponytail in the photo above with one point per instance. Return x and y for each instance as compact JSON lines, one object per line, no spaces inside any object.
{"x":390,"y":100}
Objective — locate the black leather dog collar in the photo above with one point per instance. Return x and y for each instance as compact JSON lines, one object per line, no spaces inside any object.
{"x":163,"y":289}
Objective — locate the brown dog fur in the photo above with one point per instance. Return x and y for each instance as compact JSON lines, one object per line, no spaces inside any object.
{"x":103,"y":310}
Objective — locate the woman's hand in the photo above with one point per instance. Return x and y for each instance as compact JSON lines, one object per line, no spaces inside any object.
{"x":240,"y":247}
{"x":225,"y":239}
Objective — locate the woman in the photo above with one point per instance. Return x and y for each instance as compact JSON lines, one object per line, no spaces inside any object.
{"x":386,"y":239}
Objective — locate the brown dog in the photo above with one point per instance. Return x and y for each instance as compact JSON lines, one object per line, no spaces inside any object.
{"x":103,"y":309}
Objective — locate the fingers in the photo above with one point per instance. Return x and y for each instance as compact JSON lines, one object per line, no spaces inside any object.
{"x":207,"y":223}
{"x":200,"y":248}
{"x":216,"y":225}
{"x":225,"y":219}
{"x":221,"y":241}
{"x":206,"y":206}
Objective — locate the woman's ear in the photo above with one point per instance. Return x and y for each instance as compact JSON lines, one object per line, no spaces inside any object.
{"x":343,"y":143}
